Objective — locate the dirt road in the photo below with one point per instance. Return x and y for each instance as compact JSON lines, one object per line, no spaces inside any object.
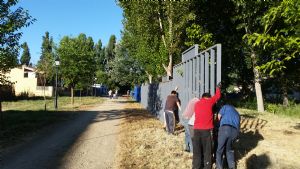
{"x":87,"y":141}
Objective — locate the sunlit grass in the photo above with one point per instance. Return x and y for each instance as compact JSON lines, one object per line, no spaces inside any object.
{"x":64,"y":103}
{"x":290,"y":111}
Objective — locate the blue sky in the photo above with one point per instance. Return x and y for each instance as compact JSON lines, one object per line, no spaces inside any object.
{"x":96,"y":18}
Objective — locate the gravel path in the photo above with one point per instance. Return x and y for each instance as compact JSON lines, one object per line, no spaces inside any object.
{"x":87,"y":141}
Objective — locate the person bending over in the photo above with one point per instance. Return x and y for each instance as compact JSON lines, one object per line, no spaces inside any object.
{"x":229,"y":128}
{"x":172,"y":103}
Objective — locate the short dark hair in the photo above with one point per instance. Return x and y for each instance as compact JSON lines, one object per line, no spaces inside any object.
{"x":206,"y":95}
{"x":173,"y":92}
{"x":220,"y":104}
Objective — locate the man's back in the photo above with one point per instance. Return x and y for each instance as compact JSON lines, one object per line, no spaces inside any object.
{"x":171,"y":103}
{"x":203,"y":114}
{"x":203,"y":111}
{"x":229,"y":116}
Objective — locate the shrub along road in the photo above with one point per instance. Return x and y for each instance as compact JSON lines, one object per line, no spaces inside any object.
{"x":87,"y":141}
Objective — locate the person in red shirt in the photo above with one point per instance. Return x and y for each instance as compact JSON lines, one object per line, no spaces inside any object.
{"x":203,"y":126}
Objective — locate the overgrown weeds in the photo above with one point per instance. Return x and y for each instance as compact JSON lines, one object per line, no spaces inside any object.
{"x":291,"y":111}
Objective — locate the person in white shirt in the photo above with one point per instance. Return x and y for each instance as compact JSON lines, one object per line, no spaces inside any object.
{"x":188,"y":120}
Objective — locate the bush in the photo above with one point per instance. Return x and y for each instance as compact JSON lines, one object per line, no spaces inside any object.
{"x":292,"y":111}
{"x":271,"y":108}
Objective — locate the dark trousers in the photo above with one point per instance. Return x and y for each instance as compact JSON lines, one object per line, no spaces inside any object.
{"x":170,"y":121}
{"x":226,"y":137}
{"x":202,"y":148}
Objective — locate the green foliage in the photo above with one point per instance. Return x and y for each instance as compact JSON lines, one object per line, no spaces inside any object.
{"x":254,"y":35}
{"x":78,"y":64}
{"x":281,"y":35}
{"x":110,"y":49}
{"x":45,"y":65}
{"x":125,"y":70}
{"x":25,"y":57}
{"x":221,"y":27}
{"x":153,"y":30}
{"x":102,"y":77}
{"x":100,"y":56}
{"x":12,"y":20}
{"x":291,"y":111}
{"x":197,"y":35}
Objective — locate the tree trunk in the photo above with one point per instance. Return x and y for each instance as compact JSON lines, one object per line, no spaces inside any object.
{"x":72,"y":95}
{"x":169,"y":68}
{"x":45,"y":101}
{"x":1,"y":116}
{"x":171,"y":40}
{"x":162,"y":30}
{"x":258,"y":92}
{"x":80,"y":94}
{"x":149,"y":77}
{"x":285,"y":94}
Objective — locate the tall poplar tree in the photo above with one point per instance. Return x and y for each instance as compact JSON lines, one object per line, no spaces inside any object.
{"x":110,"y":48}
{"x":45,"y":65}
{"x":153,"y":31}
{"x":25,"y":57}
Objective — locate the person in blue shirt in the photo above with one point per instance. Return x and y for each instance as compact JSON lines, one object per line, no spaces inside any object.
{"x":228,"y":132}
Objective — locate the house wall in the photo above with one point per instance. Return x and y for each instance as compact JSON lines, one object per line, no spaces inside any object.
{"x":27,"y":85}
{"x":40,"y":91}
{"x":21,"y":84}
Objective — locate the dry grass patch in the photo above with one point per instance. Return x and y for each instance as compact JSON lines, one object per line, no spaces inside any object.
{"x":145,"y":144}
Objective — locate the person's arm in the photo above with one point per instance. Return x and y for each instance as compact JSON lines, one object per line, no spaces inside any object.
{"x":189,"y":110}
{"x":217,"y":96}
{"x":176,"y":88}
{"x":219,"y":117}
{"x":178,"y":105}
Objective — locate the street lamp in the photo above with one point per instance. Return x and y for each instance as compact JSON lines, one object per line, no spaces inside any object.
{"x":57,"y":63}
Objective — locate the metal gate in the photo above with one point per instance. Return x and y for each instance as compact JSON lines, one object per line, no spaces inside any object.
{"x":198,"y":72}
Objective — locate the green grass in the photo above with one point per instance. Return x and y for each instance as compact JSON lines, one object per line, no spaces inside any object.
{"x":64,"y":103}
{"x":23,"y":118}
{"x":278,"y":109}
{"x":290,"y":111}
